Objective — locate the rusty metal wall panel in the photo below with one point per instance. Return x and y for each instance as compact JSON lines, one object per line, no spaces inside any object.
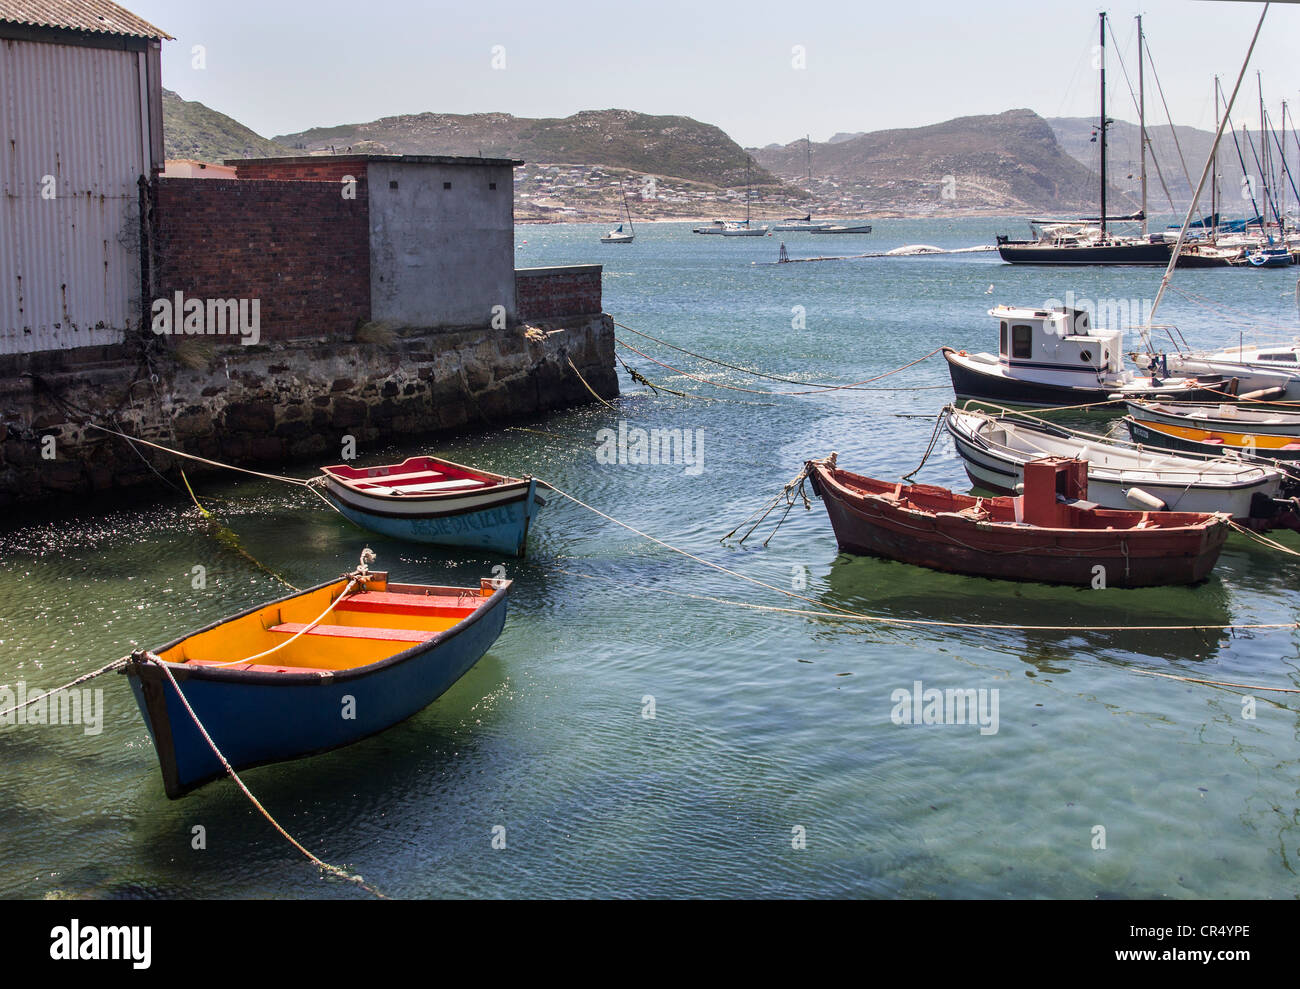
{"x":69,"y":265}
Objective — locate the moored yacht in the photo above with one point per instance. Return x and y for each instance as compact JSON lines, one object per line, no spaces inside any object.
{"x":1054,"y":357}
{"x":1276,"y":366}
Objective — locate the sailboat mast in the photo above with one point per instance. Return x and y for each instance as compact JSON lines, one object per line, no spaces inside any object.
{"x":1103,"y":125}
{"x":1142,"y":125}
{"x":1263,"y":163}
{"x":747,"y":192}
{"x":1214,"y":171}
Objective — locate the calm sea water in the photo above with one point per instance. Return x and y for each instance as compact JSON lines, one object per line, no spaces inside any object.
{"x":768,"y":726}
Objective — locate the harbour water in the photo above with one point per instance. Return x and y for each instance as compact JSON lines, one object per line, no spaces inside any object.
{"x":636,"y":731}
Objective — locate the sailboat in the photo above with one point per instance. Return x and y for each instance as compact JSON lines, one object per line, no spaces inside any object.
{"x":806,"y":224}
{"x":735,"y":228}
{"x":618,"y":235}
{"x":1279,"y":362}
{"x":1089,"y":241}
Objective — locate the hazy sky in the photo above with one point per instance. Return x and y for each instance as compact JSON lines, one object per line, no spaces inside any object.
{"x":285,"y":65}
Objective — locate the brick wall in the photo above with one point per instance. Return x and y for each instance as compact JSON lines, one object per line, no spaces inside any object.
{"x":325,"y":169}
{"x":299,"y":247}
{"x":552,"y":293}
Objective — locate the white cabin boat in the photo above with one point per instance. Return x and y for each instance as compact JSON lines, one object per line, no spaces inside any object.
{"x":1054,"y":357}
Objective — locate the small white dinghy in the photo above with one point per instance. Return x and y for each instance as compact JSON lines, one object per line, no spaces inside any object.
{"x":1120,"y":475}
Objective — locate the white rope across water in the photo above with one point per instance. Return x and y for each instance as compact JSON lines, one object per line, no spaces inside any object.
{"x":308,"y":483}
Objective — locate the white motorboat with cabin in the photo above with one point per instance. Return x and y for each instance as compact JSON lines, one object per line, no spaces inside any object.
{"x":1054,"y":357}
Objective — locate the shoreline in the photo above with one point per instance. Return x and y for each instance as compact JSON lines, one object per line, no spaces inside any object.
{"x":891,"y":215}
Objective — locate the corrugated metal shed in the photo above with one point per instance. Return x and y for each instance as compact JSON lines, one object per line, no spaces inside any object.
{"x":70,"y":264}
{"x":95,"y":16}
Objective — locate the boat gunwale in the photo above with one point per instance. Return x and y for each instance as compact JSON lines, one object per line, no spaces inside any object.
{"x":1206,"y":522}
{"x":500,"y":480}
{"x":1236,"y":473}
{"x":183,"y":671}
{"x":1164,"y":429}
{"x":501,"y":494}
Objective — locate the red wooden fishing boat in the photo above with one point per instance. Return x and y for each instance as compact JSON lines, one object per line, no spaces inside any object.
{"x":1049,"y":534}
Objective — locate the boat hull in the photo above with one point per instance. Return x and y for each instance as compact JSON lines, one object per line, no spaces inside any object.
{"x":1142,"y":432}
{"x":1029,"y":252}
{"x":1130,"y":558}
{"x":496,"y":520}
{"x":862,"y":229}
{"x":970,"y":382}
{"x":258,"y":718}
{"x":1277,"y":424}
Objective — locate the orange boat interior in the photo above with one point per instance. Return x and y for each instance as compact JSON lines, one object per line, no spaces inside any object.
{"x":362,"y":628}
{"x":1213,"y":437}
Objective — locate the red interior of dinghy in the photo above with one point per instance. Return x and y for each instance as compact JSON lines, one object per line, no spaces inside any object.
{"x":416,"y":474}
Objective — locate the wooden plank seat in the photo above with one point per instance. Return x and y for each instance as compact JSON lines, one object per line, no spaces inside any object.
{"x":387,"y":602}
{"x":356,"y":632}
{"x":382,"y":478}
{"x":256,"y":667}
{"x":433,"y":487}
{"x":411,"y":477}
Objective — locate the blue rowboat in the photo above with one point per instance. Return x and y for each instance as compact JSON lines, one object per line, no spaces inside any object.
{"x":428,"y":500}
{"x":351,"y":657}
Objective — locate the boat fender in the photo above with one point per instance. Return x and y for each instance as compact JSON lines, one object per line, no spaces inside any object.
{"x":1144,"y":499}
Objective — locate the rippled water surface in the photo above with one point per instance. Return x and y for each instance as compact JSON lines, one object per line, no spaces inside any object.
{"x":765,"y":721}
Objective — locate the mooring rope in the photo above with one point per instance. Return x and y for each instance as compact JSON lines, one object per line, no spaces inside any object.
{"x":790,"y":494}
{"x":308,"y":483}
{"x":116,"y":664}
{"x":763,"y":374}
{"x":820,"y":390}
{"x":929,"y":449}
{"x":587,"y":386}
{"x":1259,"y":537}
{"x":324,"y":866}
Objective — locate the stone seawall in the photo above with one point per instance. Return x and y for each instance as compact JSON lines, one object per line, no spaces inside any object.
{"x":286,"y":401}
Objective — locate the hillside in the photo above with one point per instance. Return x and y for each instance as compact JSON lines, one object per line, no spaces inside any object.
{"x":192,"y":130}
{"x":1009,"y":161}
{"x":1075,"y":136}
{"x":623,"y":139}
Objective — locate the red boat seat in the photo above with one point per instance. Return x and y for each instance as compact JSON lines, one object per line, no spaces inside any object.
{"x":355,"y":632}
{"x":256,"y":667}
{"x":388,"y":602}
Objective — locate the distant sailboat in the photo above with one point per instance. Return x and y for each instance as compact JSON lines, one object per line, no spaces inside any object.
{"x":806,"y":224}
{"x":618,"y":235}
{"x":736,"y":228}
